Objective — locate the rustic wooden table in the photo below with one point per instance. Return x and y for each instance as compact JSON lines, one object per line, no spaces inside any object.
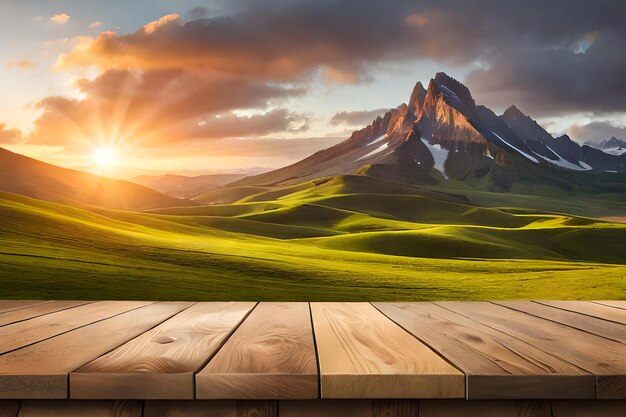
{"x":427,"y":359}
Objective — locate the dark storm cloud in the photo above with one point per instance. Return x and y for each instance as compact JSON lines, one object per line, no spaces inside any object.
{"x":526,"y":49}
{"x":173,"y":73}
{"x":356,"y":118}
{"x":596,"y":132}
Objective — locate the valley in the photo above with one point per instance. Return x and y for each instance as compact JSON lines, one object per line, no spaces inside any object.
{"x":324,"y":240}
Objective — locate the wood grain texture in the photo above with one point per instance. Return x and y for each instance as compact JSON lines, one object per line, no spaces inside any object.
{"x":37,"y":310}
{"x":326,"y":408}
{"x":464,"y":408}
{"x":395,"y":408}
{"x":599,"y":327}
{"x":606,"y":408}
{"x":10,"y":305}
{"x":498,"y":366}
{"x":257,"y":408}
{"x":9,"y":408}
{"x":41,"y":370}
{"x":592,"y":353}
{"x":363,"y":354}
{"x":533,"y":408}
{"x":66,"y":408}
{"x":160,"y":364}
{"x":591,"y":309}
{"x":24,"y":333}
{"x":195,"y":408}
{"x":270,"y":356}
{"x":613,"y":303}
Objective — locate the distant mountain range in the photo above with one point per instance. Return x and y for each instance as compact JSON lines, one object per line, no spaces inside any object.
{"x":441,"y":134}
{"x":181,"y":186}
{"x":613,"y":146}
{"x":439,"y":138}
{"x":30,"y":177}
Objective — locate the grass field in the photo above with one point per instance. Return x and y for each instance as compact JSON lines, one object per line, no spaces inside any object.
{"x":346,"y":238}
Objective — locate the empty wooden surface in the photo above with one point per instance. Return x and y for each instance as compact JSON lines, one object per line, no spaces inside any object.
{"x":36,"y":311}
{"x":363,"y":354}
{"x":10,"y":305}
{"x":24,"y":333}
{"x":41,"y":370}
{"x":66,"y":408}
{"x":498,"y":366}
{"x":270,"y":356}
{"x":594,"y":354}
{"x":597,"y":326}
{"x":603,"y":311}
{"x":161,"y":363}
{"x":389,"y":353}
{"x":613,"y":303}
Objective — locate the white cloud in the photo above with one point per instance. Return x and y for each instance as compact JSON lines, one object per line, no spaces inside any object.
{"x":96,"y":24}
{"x":60,"y":19}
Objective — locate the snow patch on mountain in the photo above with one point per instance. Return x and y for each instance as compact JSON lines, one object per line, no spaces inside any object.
{"x":530,"y":157}
{"x":563,"y":163}
{"x":615,"y":151}
{"x":451,"y":97}
{"x":378,"y":139}
{"x":378,"y":150}
{"x":439,"y":155}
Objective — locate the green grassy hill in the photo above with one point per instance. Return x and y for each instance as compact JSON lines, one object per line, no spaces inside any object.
{"x":341,"y":238}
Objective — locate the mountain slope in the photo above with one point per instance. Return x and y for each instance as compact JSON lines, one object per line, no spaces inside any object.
{"x":441,"y":134}
{"x":30,"y":177}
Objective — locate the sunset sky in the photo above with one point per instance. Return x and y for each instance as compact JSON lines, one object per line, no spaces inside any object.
{"x":231,"y":85}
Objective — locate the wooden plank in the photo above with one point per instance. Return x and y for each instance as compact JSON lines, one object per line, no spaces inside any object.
{"x":24,"y":333}
{"x":606,"y":408}
{"x":196,"y":408}
{"x":599,"y":327}
{"x":591,"y":309}
{"x":395,"y":408}
{"x":10,"y":305}
{"x":41,"y":370}
{"x":497,"y":365}
{"x":613,"y":303}
{"x":66,"y":408}
{"x":270,"y":356}
{"x":37,"y":310}
{"x":257,"y":408}
{"x":363,"y":354}
{"x":533,"y":408}
{"x":326,"y":408}
{"x":465,"y":408}
{"x":160,"y":364}
{"x":597,"y":355}
{"x":9,"y":408}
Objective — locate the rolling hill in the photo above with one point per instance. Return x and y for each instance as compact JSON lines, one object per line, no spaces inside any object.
{"x":311,"y":245}
{"x":30,"y":177}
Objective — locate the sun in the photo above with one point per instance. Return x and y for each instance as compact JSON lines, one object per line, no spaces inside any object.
{"x":105,"y":157}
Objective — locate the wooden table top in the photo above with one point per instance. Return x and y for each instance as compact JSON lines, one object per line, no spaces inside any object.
{"x":141,"y":350}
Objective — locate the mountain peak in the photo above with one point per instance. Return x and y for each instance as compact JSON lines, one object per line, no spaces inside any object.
{"x":513,"y":112}
{"x":417,"y":99}
{"x":455,"y":93}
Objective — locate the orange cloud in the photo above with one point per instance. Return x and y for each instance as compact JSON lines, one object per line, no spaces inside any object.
{"x":21,"y":64}
{"x":9,"y":136}
{"x":154,"y":107}
{"x":60,"y":19}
